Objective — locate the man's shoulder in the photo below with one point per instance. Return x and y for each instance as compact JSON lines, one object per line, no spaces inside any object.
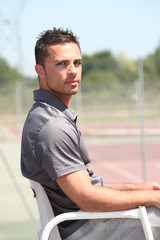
{"x":45,"y":120}
{"x":42,"y":112}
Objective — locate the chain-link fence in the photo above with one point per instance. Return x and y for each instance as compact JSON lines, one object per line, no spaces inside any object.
{"x":108,"y":103}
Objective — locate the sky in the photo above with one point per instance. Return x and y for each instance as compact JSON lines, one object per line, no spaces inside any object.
{"x":120,"y":26}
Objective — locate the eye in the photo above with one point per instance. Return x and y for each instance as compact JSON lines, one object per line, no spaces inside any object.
{"x":61,"y":63}
{"x":77,"y":63}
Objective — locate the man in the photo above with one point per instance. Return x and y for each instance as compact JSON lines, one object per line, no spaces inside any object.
{"x":53,"y":152}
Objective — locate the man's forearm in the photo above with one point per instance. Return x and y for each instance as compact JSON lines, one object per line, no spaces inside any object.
{"x":128,"y":186}
{"x":114,"y":200}
{"x":78,"y":187}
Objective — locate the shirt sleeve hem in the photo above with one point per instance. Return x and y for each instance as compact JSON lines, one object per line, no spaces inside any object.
{"x":70,"y":170}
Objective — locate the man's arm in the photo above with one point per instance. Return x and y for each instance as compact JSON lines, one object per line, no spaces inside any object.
{"x":130,"y":186}
{"x":78,"y":187}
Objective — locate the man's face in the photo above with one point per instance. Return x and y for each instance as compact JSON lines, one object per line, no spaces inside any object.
{"x":62,"y":70}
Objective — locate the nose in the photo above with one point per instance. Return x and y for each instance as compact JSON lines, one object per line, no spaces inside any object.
{"x":72,"y":69}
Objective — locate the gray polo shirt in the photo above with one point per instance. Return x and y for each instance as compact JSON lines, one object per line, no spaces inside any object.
{"x":52,"y":147}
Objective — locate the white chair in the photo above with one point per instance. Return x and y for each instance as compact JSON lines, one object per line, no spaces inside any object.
{"x":48,"y":230}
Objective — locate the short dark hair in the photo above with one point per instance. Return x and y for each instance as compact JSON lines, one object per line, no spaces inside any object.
{"x":52,"y":37}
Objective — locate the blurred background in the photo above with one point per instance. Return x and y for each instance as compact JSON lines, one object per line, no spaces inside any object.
{"x":118,"y":103}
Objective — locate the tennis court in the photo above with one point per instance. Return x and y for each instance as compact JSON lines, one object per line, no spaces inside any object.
{"x":15,"y":220}
{"x":115,"y":152}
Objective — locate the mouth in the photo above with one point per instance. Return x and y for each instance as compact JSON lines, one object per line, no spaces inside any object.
{"x":73,"y":82}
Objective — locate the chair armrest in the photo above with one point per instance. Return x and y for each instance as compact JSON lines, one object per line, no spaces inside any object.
{"x":134,"y":213}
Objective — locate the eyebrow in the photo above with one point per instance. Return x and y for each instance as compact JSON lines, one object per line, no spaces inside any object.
{"x":66,"y":60}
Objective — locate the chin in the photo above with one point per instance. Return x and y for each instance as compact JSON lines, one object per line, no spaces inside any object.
{"x":74,"y":91}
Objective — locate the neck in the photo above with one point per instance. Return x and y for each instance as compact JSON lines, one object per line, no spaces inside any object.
{"x":66,"y":99}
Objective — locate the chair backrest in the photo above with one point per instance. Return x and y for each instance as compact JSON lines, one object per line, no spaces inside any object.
{"x":45,"y":210}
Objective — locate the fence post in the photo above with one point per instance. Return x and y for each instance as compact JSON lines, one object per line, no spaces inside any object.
{"x":141,"y":117}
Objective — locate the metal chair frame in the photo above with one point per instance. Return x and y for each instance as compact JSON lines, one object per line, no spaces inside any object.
{"x":48,"y":230}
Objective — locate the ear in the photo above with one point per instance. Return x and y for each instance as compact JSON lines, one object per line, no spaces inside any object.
{"x":40,"y":70}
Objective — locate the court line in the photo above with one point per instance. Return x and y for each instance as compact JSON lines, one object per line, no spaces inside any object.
{"x":121,"y":171}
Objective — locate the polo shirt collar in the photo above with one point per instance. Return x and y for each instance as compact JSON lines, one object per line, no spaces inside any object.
{"x":51,"y":99}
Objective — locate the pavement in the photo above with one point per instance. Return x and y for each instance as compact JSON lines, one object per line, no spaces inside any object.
{"x":121,"y":152}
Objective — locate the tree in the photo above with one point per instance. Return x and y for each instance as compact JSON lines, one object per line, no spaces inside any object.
{"x":8,"y":74}
{"x":152,"y":66}
{"x":157,"y":60}
{"x":127,"y":69}
{"x":101,"y":61}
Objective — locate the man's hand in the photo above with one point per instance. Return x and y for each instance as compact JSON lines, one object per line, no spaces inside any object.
{"x":152,"y":186}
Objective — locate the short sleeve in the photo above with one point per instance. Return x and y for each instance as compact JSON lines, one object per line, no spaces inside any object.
{"x":59,"y":148}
